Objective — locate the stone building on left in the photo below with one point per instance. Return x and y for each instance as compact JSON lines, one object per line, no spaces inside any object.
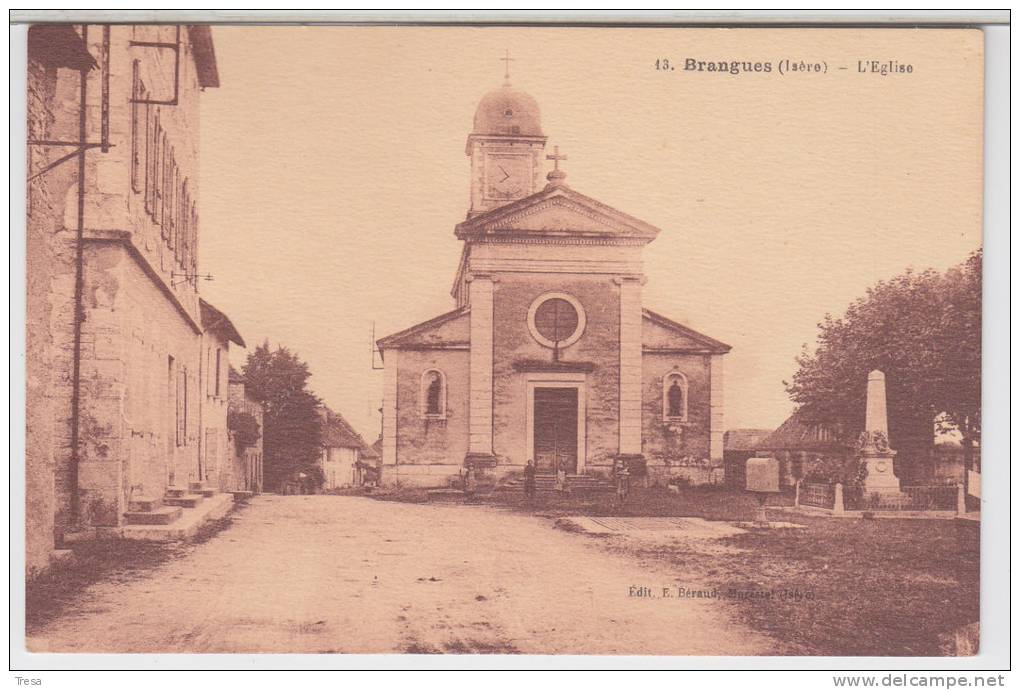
{"x":126,"y":366}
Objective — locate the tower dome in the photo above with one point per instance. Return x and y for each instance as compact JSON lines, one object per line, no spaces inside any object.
{"x":507,"y":112}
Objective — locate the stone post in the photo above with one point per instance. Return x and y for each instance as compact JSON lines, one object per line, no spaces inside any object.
{"x":961,"y":500}
{"x":837,"y":500}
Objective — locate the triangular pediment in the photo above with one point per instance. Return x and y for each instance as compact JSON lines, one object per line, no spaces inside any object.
{"x":557,"y":211}
{"x":451,"y":329}
{"x":665,"y":335}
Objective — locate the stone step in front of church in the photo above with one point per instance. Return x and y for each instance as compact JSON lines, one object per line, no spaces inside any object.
{"x":202,"y":489}
{"x":547,"y":483}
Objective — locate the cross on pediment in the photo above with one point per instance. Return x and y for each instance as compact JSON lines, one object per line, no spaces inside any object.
{"x":507,"y":60}
{"x":556,"y":157}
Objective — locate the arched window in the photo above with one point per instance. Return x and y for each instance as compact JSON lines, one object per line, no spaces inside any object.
{"x":674,"y":397}
{"x":433,"y":394}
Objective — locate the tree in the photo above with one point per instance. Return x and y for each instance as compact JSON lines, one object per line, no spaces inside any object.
{"x":924,"y":331}
{"x":245,"y":430}
{"x":292,"y":435}
{"x":960,"y":386}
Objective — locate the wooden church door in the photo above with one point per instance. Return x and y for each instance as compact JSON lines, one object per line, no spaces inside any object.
{"x":555,"y":420}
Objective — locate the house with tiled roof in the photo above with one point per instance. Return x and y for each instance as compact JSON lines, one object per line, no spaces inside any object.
{"x":346,"y":460}
{"x":245,"y":418}
{"x":738,"y":446}
{"x":805,"y":447}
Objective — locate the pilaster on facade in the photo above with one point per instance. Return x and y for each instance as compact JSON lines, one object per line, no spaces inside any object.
{"x":480,"y":366}
{"x":389,"y":414}
{"x":716,"y":409}
{"x":630,"y":365}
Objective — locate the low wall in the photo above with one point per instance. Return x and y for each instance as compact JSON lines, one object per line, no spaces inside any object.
{"x":908,"y":501}
{"x":696,"y":475}
{"x":423,"y":476}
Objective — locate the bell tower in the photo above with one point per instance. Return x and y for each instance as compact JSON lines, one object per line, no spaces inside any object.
{"x":505,"y":147}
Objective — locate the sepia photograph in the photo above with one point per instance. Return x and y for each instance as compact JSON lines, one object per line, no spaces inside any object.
{"x":502,"y":340}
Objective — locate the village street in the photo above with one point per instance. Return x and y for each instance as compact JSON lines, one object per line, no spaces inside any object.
{"x":354,"y":575}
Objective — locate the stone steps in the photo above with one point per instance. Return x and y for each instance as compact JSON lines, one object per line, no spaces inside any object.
{"x":242,"y":495}
{"x":144,"y":504}
{"x":166,"y":509}
{"x":202,"y":489}
{"x":576,"y":483}
{"x":178,"y":514}
{"x":184,"y":500}
{"x":184,"y":527}
{"x":163,"y":515}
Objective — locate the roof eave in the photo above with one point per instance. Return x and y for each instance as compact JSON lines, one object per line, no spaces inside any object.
{"x":475,"y":227}
{"x":205,"y":55}
{"x":715,"y":346}
{"x":393,"y":341}
{"x":215,"y":320}
{"x":59,"y":45}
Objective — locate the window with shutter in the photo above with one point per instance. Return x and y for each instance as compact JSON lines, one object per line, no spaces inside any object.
{"x":151,"y":120}
{"x":178,"y":409}
{"x":168,"y":211}
{"x":184,"y":421}
{"x":219,"y":352}
{"x":137,"y":88}
{"x":164,"y":183}
{"x":194,"y":238}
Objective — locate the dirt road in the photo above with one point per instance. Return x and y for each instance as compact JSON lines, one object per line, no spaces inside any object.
{"x":343,"y":574}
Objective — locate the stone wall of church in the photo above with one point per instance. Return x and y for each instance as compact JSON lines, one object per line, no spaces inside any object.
{"x":678,"y":449}
{"x":600,"y":297}
{"x":430,"y":450}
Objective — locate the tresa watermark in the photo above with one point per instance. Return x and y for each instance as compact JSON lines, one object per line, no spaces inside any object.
{"x":681,"y":592}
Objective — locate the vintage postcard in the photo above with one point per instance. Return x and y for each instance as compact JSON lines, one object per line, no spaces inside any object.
{"x":503,"y":340}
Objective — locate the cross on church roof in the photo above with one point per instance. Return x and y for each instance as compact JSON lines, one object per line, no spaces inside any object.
{"x":556,"y":157}
{"x":507,"y":60}
{"x":557,"y":176}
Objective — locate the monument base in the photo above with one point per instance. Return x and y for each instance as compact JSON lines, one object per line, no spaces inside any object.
{"x":479,"y":461}
{"x":880,"y":473}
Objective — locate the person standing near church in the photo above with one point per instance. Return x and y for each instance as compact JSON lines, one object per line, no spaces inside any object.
{"x":561,"y":477}
{"x":529,"y":479}
{"x":622,"y":483}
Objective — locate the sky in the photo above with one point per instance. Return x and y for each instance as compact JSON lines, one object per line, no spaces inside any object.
{"x":333,"y":172}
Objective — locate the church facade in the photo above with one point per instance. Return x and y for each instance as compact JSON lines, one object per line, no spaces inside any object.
{"x":549,"y":355}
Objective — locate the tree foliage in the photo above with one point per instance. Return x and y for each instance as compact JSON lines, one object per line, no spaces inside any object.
{"x":923,"y":330}
{"x":292,"y":436}
{"x":245,"y":429}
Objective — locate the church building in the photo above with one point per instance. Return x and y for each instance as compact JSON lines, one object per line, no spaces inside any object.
{"x":549,"y":355}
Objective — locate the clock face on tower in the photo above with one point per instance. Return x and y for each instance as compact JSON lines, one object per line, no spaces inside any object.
{"x":507,"y":176}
